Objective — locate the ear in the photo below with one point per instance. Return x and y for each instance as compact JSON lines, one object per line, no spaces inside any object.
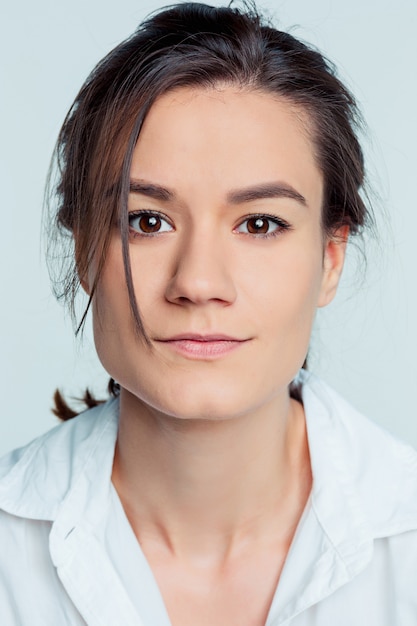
{"x":84,"y":274}
{"x":333,"y":260}
{"x":80,"y":265}
{"x":85,"y":285}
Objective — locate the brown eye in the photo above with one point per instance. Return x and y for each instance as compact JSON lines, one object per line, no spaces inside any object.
{"x":148,"y":223}
{"x":262,"y":225}
{"x":257,"y":225}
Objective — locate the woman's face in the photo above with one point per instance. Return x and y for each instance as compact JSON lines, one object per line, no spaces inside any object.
{"x":228,"y":257}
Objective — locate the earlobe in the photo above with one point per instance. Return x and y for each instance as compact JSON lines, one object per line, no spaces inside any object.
{"x":82,"y":270}
{"x":333,"y":261}
{"x":85,"y":285}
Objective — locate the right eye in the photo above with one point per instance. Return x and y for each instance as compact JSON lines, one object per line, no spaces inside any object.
{"x":148,"y":223}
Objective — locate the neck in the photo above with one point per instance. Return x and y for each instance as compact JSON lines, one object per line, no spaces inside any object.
{"x":205,"y":486}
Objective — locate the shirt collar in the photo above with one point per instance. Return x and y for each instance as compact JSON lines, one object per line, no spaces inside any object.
{"x":37,"y":480}
{"x":355,"y":499}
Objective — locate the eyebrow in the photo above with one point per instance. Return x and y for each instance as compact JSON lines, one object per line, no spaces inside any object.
{"x":151,"y":190}
{"x":237,"y":196}
{"x":265,"y":191}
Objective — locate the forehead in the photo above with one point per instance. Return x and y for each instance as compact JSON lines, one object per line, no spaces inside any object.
{"x":211,"y":140}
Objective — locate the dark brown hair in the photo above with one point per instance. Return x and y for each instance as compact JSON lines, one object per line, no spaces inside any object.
{"x":188,"y":44}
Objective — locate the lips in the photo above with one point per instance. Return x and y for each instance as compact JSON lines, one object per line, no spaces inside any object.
{"x":205,"y":347}
{"x":201,"y":338}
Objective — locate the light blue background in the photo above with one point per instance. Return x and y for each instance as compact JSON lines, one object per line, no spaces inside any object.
{"x":365,"y":343}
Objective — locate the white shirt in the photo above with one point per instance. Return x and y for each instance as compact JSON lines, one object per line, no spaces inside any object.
{"x":68,"y":555}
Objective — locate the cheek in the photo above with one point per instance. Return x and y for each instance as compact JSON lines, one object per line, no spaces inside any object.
{"x":111,"y":294}
{"x":286,"y":287}
{"x":292,"y":308}
{"x":111,"y":309}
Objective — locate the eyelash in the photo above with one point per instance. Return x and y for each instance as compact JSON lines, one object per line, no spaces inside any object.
{"x":138,"y":214}
{"x":281,"y":225}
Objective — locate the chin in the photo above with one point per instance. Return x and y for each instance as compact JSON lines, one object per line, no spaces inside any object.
{"x":200,"y":400}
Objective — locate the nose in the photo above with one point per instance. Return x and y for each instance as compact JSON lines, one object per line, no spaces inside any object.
{"x":201,"y":272}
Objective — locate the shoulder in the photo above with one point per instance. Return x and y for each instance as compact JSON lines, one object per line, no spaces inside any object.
{"x":30,"y":589}
{"x":46,"y":488}
{"x":390,"y":579}
{"x":35,"y":478}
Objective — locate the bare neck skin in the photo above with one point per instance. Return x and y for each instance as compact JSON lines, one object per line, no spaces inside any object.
{"x":206,"y":490}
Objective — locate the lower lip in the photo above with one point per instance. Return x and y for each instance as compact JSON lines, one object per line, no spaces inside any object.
{"x":208,"y":350}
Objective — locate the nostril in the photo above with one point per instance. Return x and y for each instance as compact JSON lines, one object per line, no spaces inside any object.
{"x":198,"y":278}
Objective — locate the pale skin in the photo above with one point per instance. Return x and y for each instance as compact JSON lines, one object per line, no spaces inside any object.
{"x":212,"y":463}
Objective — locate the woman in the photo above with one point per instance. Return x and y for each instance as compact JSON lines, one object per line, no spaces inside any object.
{"x":209,"y":179}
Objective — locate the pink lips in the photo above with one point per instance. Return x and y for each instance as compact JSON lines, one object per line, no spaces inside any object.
{"x":206,"y":347}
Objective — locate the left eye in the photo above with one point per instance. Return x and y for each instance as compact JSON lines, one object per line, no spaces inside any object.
{"x":261,"y":225}
{"x":149,"y":223}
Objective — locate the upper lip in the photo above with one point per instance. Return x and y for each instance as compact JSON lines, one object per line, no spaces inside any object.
{"x":200,"y":337}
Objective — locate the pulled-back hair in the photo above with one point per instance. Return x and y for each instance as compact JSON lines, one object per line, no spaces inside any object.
{"x":188,"y":45}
